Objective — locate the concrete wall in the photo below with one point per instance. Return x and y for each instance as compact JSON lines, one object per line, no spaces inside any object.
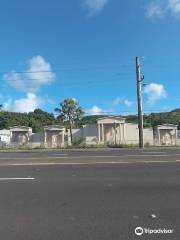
{"x":4,"y":136}
{"x":131,"y":133}
{"x":36,"y":137}
{"x":90,"y":134}
{"x":77,"y":135}
{"x":36,"y":140}
{"x":148,"y":136}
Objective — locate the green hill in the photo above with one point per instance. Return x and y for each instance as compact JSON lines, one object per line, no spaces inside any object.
{"x":38,"y":119}
{"x":150,"y":120}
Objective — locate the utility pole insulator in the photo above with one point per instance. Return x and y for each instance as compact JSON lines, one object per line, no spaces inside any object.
{"x":139,"y":98}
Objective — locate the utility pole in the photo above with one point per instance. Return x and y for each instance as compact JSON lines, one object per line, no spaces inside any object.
{"x":139,"y":98}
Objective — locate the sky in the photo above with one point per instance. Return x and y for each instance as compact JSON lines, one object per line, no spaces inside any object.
{"x":86,"y":49}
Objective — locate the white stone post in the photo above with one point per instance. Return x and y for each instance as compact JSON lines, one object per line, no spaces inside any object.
{"x":10,"y":136}
{"x":103,"y":133}
{"x":62,"y":138}
{"x":176,"y":137}
{"x":45,"y":139}
{"x":99,"y":133}
{"x":121,"y":132}
{"x":124,"y":133}
{"x":159,"y":137}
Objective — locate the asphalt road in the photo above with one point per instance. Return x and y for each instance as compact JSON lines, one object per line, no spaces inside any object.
{"x":98,"y":195}
{"x":92,"y":156}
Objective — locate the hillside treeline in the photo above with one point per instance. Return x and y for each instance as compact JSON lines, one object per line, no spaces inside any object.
{"x":150,"y":120}
{"x":39,"y":118}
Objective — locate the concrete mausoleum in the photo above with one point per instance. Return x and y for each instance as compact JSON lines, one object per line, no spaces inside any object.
{"x":112,"y":131}
{"x":166,"y":135}
{"x":54,"y":136}
{"x":20,"y":135}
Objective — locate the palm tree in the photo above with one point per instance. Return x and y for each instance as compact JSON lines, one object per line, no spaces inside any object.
{"x":69,"y":111}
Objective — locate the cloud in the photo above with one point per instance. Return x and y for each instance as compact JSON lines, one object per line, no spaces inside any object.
{"x":155,"y":92}
{"x":174,"y":6}
{"x":37,"y":74}
{"x":28,"y":104}
{"x":117,"y":101}
{"x":120,"y":100}
{"x":95,"y":110}
{"x":128,"y":103}
{"x":94,"y":6}
{"x":161,"y":8}
{"x":154,"y":10}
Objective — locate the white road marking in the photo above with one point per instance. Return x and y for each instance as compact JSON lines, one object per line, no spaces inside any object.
{"x":8,"y":179}
{"x":87,"y":163}
{"x":154,"y":152}
{"x":88,"y":156}
{"x":32,"y":158}
{"x":59,"y":154}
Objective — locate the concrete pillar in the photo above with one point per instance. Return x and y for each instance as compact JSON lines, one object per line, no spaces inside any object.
{"x":45,"y":138}
{"x":176,"y":136}
{"x":124,"y":133}
{"x":103,"y":133}
{"x":28,"y":136}
{"x":115,"y":136}
{"x":62,"y":144}
{"x":121,"y":132}
{"x":159,"y":137}
{"x":10,"y":136}
{"x":99,"y":133}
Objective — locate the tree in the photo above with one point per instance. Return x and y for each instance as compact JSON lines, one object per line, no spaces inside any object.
{"x":37,"y":119}
{"x":69,"y":111}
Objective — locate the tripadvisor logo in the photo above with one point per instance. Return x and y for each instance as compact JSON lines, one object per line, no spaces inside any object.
{"x":139,"y":231}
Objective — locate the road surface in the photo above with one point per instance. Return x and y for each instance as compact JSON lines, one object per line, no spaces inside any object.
{"x":89,"y":195}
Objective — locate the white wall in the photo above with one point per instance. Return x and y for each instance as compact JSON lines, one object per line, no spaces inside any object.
{"x":5,"y":136}
{"x":90,"y":134}
{"x":148,"y":136}
{"x":87,"y":134}
{"x":131,"y":133}
{"x":77,"y":135}
{"x":37,"y":137}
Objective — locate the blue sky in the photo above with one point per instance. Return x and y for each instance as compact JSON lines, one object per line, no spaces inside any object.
{"x":86,"y":49}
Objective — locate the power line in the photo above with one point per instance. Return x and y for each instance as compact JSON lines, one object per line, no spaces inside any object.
{"x":87,"y":68}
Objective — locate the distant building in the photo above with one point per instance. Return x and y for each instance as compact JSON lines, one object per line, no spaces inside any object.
{"x":112,"y":131}
{"x":54,"y":136}
{"x":20,"y":135}
{"x":4,"y":137}
{"x":166,"y":135}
